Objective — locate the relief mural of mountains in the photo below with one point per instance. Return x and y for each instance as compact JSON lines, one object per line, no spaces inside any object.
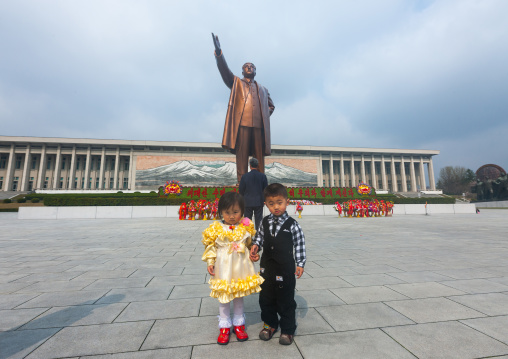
{"x":217,"y":173}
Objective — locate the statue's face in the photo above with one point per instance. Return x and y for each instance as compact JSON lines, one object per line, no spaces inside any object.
{"x":249,"y":70}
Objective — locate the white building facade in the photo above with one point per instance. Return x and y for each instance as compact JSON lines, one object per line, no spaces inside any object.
{"x":37,"y":163}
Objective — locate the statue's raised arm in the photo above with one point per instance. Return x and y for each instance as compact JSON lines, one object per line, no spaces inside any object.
{"x":225,"y":72}
{"x":216,"y":43}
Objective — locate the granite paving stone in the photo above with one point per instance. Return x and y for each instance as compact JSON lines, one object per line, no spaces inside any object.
{"x":168,"y":333}
{"x":474,"y":286}
{"x":55,"y":286}
{"x":58,"y":317}
{"x":95,"y":274}
{"x":424,"y":290}
{"x":62,"y":299}
{"x":433,"y":310}
{"x":248,"y":349}
{"x":489,"y":303}
{"x":365,"y":344}
{"x":466,"y":273}
{"x":367,"y":294}
{"x":18,"y":344}
{"x":163,"y":309}
{"x":190,"y":291}
{"x":417,"y":277}
{"x":448,"y":340}
{"x":364,"y":280}
{"x":495,"y":327}
{"x":93,"y":339}
{"x":177,"y":280}
{"x":172,"y":353}
{"x":399,"y":287}
{"x":11,"y":301}
{"x":12,"y":319}
{"x":320,"y":283}
{"x":316,"y":298}
{"x":119,"y":283}
{"x":135,"y":295}
{"x":362,"y":316}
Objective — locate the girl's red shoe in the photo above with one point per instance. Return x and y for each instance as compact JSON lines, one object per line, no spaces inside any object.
{"x":223,"y":338}
{"x":241,"y":334}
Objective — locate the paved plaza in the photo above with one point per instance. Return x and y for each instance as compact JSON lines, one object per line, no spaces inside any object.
{"x":410,"y":286}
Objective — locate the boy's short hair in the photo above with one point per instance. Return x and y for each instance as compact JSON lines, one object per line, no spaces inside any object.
{"x":228,"y":200}
{"x":276,"y":189}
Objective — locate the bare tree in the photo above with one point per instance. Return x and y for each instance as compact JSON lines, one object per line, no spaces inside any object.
{"x":455,"y":180}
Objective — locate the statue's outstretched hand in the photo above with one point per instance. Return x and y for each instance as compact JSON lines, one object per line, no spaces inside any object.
{"x":216,"y":43}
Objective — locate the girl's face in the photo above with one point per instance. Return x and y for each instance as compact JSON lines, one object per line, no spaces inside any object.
{"x":232,"y":215}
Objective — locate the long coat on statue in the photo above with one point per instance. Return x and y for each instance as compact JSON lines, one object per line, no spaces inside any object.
{"x":236,"y":105}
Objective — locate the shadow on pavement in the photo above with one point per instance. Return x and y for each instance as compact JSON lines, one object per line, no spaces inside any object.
{"x":24,"y":339}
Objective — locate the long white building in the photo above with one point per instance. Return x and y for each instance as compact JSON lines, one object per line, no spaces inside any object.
{"x":36,"y":163}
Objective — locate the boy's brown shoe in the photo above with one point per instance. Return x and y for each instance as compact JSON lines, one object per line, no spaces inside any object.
{"x":266,"y":333}
{"x":286,"y":339}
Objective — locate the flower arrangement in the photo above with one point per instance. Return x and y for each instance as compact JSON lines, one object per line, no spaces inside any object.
{"x":363,"y":189}
{"x":364,"y":208}
{"x":172,"y":187}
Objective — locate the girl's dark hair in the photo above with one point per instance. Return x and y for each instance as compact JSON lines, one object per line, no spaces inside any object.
{"x":229,"y":199}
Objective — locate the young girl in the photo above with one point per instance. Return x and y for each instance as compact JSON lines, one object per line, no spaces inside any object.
{"x":227,"y":245}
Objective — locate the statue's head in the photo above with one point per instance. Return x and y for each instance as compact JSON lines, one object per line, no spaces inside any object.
{"x":249,"y":70}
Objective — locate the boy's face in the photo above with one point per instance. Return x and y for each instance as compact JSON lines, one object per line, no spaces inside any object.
{"x":277,"y":205}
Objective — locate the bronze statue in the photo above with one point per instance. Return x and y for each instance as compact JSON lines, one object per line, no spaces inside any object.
{"x":247,"y":127}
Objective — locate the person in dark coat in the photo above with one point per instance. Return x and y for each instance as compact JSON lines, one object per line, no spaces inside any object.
{"x":251,"y":188}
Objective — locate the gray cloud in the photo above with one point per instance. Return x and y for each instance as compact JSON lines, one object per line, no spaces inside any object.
{"x":397,"y":73}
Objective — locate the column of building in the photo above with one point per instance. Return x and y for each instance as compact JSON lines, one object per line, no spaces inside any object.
{"x":72,"y":169}
{"x":431,"y":176}
{"x":412,"y":174}
{"x":56,"y":172}
{"x":26,"y":170}
{"x":101,"y":170}
{"x":373,"y":172}
{"x":362,"y":169}
{"x":403,"y":174}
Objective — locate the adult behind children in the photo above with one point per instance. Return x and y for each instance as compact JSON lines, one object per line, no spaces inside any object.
{"x":251,"y":188}
{"x":227,"y":243}
{"x":278,"y":235}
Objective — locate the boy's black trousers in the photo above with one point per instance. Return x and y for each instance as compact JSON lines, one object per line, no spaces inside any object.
{"x":278,"y":297}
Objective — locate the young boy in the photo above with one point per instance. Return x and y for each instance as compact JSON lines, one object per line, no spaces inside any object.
{"x":278,"y":235}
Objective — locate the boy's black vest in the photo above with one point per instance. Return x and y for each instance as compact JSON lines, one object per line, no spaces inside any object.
{"x":278,"y":251}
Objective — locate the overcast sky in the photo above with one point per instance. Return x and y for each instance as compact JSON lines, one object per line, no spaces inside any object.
{"x":415,"y":74}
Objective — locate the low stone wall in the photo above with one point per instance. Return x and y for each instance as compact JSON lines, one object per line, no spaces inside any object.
{"x":503,"y":204}
{"x":172,"y":211}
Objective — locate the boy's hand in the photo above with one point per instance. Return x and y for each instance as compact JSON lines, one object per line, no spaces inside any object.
{"x":211,"y":270}
{"x":254,"y":258}
{"x":299,"y":272}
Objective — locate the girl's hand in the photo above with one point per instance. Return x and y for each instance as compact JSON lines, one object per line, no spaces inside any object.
{"x":299,"y":272}
{"x":211,"y":270}
{"x":253,"y":255}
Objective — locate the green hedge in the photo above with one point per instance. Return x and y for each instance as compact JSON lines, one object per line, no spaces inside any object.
{"x":8,"y":209}
{"x":101,"y":201}
{"x":157,"y":201}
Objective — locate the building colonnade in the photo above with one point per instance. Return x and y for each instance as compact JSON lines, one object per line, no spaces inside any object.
{"x":72,"y":167}
{"x":391,"y":172}
{"x":35,"y":163}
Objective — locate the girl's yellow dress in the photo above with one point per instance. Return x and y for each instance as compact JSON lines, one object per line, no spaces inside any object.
{"x":227,"y":248}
